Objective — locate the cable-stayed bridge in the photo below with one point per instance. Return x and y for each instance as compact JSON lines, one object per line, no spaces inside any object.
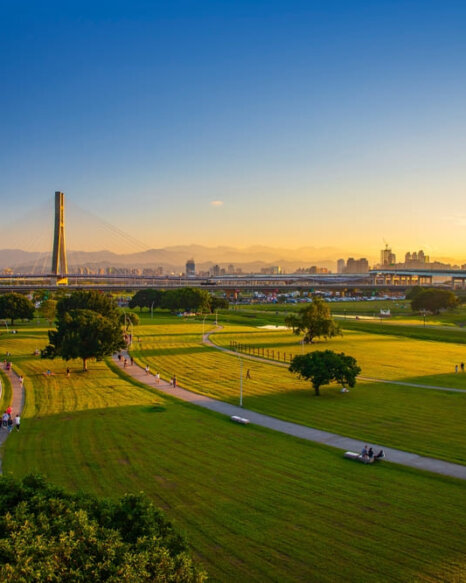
{"x":53,"y":270}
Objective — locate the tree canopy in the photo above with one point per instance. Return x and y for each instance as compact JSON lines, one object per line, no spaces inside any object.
{"x":218,"y":304}
{"x":48,"y":310}
{"x":15,"y":306}
{"x":146,"y":298}
{"x":47,"y":534}
{"x":322,"y":367}
{"x":187,"y":299}
{"x":314,"y":320}
{"x":433,"y":300}
{"x":85,"y":332}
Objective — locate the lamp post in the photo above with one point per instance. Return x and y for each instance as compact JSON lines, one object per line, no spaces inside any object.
{"x":203,"y":327}
{"x":126,"y":327}
{"x":152,"y":310}
{"x":240,"y":378}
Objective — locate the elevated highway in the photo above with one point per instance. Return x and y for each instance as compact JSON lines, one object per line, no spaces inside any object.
{"x":232,"y":284}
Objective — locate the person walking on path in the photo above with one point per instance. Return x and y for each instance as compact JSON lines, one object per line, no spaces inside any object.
{"x":17,"y":421}
{"x":21,"y":380}
{"x":456,"y":368}
{"x":5,"y":420}
{"x":10,"y":423}
{"x":157,"y":378}
{"x":147,"y":369}
{"x":174,"y":381}
{"x":131,"y":360}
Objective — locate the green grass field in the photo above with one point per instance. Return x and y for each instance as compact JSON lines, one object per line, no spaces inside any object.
{"x":256,"y":505}
{"x":392,"y":415}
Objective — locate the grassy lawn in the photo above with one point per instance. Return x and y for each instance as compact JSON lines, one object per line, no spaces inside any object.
{"x":380,"y":355}
{"x":394,"y":416}
{"x":400,"y":311}
{"x":256,"y":505}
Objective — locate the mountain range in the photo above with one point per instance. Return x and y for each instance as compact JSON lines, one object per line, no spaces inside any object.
{"x":174,"y":258}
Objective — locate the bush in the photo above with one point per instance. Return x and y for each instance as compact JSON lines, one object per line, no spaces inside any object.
{"x":47,"y":534}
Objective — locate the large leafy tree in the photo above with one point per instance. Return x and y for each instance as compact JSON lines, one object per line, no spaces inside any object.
{"x":146,"y":298}
{"x":325,"y":366}
{"x":85,"y":329}
{"x":433,"y":300}
{"x":47,"y":534}
{"x":188,"y":299}
{"x":15,"y":306}
{"x":48,"y":310}
{"x":218,"y":304}
{"x":314,"y":320}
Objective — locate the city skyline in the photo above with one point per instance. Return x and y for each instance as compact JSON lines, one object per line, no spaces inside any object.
{"x":298,"y":124}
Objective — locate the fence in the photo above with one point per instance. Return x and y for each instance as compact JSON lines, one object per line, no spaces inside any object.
{"x":261,"y":351}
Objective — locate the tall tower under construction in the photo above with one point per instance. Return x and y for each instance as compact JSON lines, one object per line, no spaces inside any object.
{"x":59,"y":264}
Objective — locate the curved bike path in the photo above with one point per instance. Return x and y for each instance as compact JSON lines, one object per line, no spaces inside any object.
{"x":345,"y":443}
{"x":16,"y":403}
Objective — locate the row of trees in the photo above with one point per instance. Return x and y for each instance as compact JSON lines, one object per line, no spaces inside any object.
{"x":186,"y":299}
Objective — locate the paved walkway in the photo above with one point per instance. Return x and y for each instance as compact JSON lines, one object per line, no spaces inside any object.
{"x":206,"y":340}
{"x":17,"y":404}
{"x":345,"y":443}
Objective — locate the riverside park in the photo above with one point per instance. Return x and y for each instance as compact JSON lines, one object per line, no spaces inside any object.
{"x":256,"y":504}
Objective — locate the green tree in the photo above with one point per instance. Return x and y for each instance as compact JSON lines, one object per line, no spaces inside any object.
{"x":325,"y":366}
{"x":96,"y":301}
{"x":433,"y":300}
{"x":414,"y":291}
{"x":85,"y":332}
{"x":218,"y":304}
{"x":187,"y":299}
{"x":47,"y":534}
{"x":314,"y":320}
{"x":15,"y":306}
{"x":48,"y":310}
{"x":146,"y":298}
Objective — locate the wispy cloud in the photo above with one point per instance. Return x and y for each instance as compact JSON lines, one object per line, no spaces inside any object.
{"x":216,"y":202}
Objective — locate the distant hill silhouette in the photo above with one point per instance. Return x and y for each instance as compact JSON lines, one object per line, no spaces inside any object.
{"x":174,"y":258}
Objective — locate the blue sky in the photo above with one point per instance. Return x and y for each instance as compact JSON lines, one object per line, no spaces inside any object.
{"x":333,"y":123}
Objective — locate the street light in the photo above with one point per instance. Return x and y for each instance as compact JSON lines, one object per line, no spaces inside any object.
{"x":152,"y":310}
{"x":203,"y":327}
{"x":126,"y":328}
{"x":240,"y":378}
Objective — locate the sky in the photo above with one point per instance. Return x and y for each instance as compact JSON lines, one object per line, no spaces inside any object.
{"x":281,"y":123}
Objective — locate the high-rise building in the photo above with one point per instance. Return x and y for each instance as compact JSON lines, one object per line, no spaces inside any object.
{"x":387,"y":257}
{"x":357,"y":265}
{"x":190,"y":267}
{"x":416,"y":259}
{"x":341,"y":264}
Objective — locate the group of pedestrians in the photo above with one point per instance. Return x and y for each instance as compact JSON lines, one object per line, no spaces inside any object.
{"x":461,"y":367}
{"x":7,"y":421}
{"x":368,"y":454}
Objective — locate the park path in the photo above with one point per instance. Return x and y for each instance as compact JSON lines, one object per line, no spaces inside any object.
{"x":206,"y":340}
{"x":345,"y":443}
{"x":17,"y":404}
